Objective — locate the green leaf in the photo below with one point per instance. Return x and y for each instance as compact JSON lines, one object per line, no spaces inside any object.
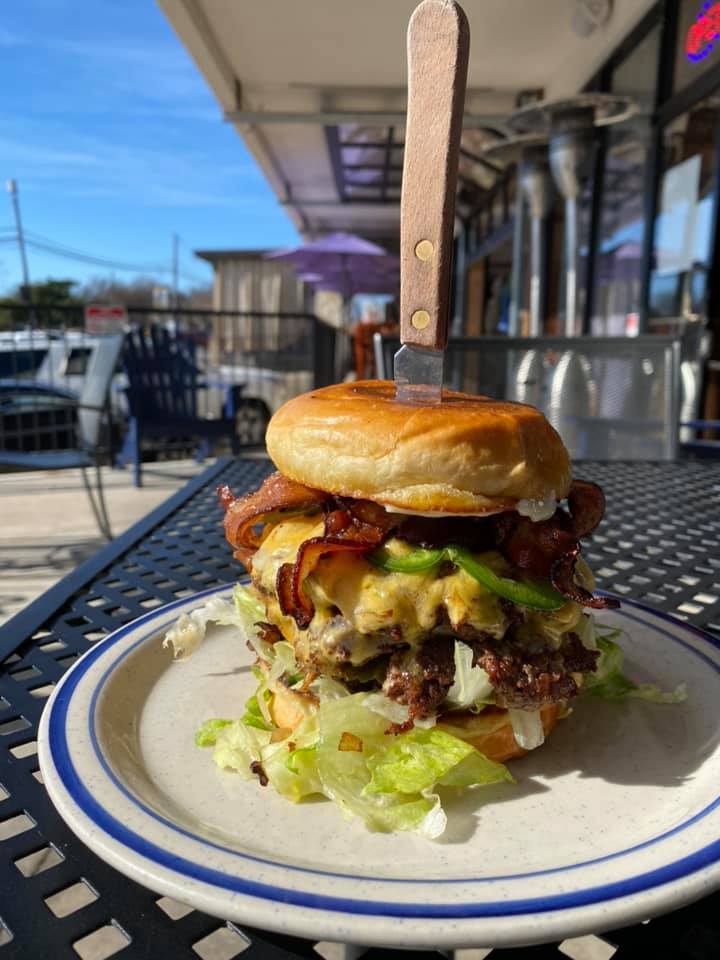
{"x":291,"y":764}
{"x":476,"y":769}
{"x":609,"y":682}
{"x":300,"y":757}
{"x":614,"y":686}
{"x":390,"y":783}
{"x":207,"y":734}
{"x":238,"y":746}
{"x":415,"y":761}
{"x":418,"y":760}
{"x":253,"y":716}
{"x":248,"y":605}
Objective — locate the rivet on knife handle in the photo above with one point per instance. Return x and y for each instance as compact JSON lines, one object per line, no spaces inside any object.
{"x":438,"y":46}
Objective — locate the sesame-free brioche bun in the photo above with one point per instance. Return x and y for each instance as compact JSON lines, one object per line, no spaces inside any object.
{"x":490,"y":731}
{"x":465,"y":455}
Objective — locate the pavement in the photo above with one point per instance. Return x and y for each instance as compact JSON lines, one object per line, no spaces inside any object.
{"x":48,"y":528}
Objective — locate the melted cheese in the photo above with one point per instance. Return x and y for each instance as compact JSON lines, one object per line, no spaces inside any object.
{"x":357,"y":605}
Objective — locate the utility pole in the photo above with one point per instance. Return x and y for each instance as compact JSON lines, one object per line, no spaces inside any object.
{"x":25,"y":288}
{"x":175,"y":267}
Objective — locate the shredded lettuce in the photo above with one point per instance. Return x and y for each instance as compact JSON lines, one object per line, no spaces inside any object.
{"x":585,"y":629}
{"x":281,"y":669}
{"x":247,"y":603}
{"x":610,"y":683}
{"x":342,"y":749}
{"x":325,"y":688}
{"x":393,"y":711}
{"x":244,"y":611}
{"x":345,"y":774}
{"x":254,"y":716}
{"x":290,"y":764}
{"x":471,"y":686}
{"x":186,"y":635}
{"x":238,"y":746}
{"x":388,"y":781}
{"x":527,"y":728}
{"x":416,"y":761}
{"x":207,"y":734}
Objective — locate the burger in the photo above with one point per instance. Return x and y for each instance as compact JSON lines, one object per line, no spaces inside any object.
{"x":418,"y":603}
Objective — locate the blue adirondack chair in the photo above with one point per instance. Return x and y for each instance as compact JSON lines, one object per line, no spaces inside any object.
{"x":163,"y":384}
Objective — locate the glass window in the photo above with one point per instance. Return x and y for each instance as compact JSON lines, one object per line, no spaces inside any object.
{"x":683,"y":239}
{"x":698,"y":44}
{"x":618,"y":265}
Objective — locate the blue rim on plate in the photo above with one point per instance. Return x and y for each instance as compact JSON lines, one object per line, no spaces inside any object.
{"x":55,"y":723}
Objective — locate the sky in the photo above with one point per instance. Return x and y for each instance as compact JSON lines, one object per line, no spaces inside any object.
{"x":116,"y":144}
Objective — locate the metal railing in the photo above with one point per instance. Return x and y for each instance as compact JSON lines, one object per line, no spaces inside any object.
{"x":610,"y":398}
{"x":271,"y":356}
{"x":274,"y":355}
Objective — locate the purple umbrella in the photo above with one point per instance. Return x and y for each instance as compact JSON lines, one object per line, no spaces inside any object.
{"x":352,"y":283}
{"x":346,"y":262}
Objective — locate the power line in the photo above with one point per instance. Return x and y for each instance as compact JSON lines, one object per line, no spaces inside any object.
{"x":94,"y":261}
{"x":188,"y":274}
{"x":195,"y":277}
{"x":47,"y":245}
{"x":97,"y":261}
{"x":73,"y":252}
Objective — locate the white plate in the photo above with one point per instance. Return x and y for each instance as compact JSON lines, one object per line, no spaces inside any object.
{"x":615,"y":820}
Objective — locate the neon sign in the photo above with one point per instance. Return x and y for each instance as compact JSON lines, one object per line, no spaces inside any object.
{"x":703,"y":33}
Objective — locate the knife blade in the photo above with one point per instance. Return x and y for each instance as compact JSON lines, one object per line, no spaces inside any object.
{"x":418,"y":375}
{"x":438,"y":49}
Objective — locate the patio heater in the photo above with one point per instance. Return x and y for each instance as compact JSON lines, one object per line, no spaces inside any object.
{"x":570,"y":126}
{"x":526,"y":380}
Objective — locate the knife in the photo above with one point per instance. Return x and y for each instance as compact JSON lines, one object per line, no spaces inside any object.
{"x":438,"y":47}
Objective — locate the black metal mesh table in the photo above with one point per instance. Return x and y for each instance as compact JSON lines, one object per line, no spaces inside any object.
{"x":658,"y":544}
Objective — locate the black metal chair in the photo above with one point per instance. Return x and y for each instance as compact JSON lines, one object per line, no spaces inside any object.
{"x":44,"y":427}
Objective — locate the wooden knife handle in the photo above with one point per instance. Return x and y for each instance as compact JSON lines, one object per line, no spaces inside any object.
{"x":438,"y":49}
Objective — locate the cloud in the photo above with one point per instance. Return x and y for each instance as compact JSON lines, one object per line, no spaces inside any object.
{"x":95,"y":167}
{"x":146,"y":73}
{"x":149,"y":73}
{"x":48,"y":157}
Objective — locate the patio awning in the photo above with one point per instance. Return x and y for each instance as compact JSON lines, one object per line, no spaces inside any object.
{"x":317,"y":90}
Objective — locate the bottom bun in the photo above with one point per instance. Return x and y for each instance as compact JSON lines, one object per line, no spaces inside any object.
{"x":490,"y":732}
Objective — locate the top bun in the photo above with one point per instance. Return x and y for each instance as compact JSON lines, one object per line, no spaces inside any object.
{"x":467,"y":454}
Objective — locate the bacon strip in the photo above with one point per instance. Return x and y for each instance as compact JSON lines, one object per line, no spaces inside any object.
{"x":537,"y":546}
{"x":225,"y":495}
{"x":355,"y":526}
{"x":550,"y":549}
{"x":360,"y":520}
{"x":276,"y":495}
{"x":475,"y":533}
{"x":562,"y":577}
{"x":294,"y":602}
{"x":586,"y":502}
{"x":367,"y":513}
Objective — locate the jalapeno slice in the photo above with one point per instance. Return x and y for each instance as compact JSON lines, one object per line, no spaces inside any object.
{"x":525,"y":593}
